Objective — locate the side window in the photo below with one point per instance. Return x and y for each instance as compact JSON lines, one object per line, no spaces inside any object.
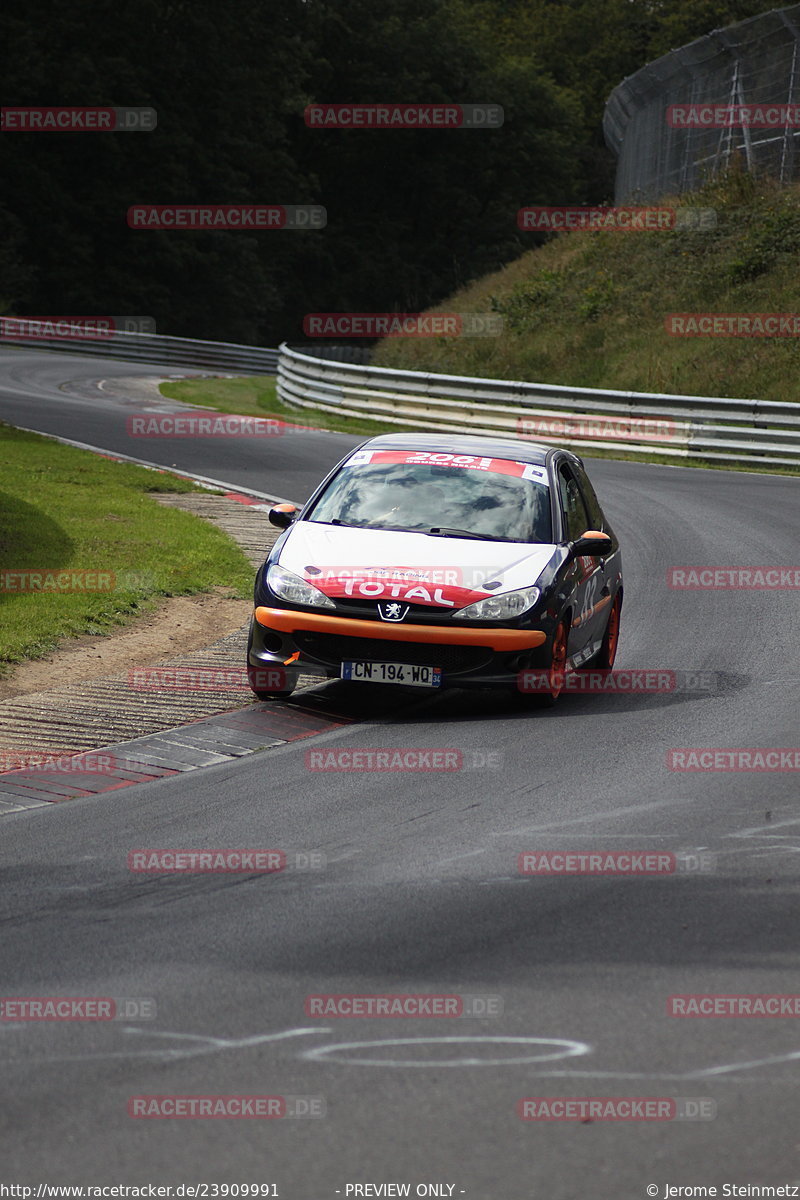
{"x":575,"y":515}
{"x":596,"y":518}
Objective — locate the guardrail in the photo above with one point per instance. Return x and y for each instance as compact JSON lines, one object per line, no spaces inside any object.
{"x":146,"y":347}
{"x":733,"y":430}
{"x":745,"y":431}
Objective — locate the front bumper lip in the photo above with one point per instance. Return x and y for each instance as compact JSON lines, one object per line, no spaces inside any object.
{"x":288,"y":621}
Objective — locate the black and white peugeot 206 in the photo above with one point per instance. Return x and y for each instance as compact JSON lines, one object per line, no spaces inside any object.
{"x":432,"y":561}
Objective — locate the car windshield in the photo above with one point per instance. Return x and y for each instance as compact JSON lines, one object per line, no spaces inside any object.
{"x":484,"y":497}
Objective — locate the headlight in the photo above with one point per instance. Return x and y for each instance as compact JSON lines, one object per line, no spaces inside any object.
{"x":291,"y":587}
{"x":502,"y":607}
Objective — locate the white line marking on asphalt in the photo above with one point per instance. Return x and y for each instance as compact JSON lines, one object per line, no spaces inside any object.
{"x":208,"y":1045}
{"x":683,"y":1076}
{"x":618,"y":837}
{"x":329,"y":1053}
{"x":613,"y":812}
{"x":764,"y":830}
{"x":228,"y":1043}
{"x":457,"y":857}
{"x":747,"y":1066}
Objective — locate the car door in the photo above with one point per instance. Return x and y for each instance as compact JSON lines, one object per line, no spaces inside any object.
{"x":585,"y":575}
{"x":611,"y":565}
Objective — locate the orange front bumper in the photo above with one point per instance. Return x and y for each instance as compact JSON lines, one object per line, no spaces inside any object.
{"x":287,"y":621}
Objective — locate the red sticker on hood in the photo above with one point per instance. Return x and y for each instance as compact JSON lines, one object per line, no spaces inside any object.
{"x":439,"y":587}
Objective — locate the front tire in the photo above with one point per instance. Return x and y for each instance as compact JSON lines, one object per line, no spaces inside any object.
{"x":555,"y":670}
{"x":253,"y":674}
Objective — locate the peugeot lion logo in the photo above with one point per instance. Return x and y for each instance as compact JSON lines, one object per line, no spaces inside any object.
{"x":392,"y":611}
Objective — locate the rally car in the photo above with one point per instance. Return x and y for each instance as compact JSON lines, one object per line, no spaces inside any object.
{"x":432,"y":560}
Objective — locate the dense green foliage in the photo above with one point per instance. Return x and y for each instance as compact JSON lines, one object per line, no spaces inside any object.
{"x":412,"y":215}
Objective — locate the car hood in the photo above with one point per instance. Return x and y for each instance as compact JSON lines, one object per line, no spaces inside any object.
{"x":382,"y":564}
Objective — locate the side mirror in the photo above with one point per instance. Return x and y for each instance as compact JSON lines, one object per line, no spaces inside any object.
{"x":282,"y":515}
{"x":591,"y":543}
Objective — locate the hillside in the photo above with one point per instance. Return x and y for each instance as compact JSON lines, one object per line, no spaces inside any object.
{"x":588,"y":308}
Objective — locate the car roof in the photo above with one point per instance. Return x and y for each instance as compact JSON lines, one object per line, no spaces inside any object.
{"x":458,"y":443}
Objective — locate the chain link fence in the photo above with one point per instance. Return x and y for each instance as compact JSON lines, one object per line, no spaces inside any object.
{"x":684,"y":117}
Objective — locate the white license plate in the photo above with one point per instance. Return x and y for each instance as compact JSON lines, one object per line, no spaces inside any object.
{"x":402,"y":673}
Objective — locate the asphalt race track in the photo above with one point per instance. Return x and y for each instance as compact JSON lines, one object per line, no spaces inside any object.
{"x":421,"y":893}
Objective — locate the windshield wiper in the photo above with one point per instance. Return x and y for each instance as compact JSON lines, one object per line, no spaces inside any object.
{"x":353,"y":525}
{"x":443,"y":531}
{"x":433,"y":531}
{"x":336,"y":521}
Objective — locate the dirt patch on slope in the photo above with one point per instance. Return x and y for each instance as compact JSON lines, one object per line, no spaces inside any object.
{"x":180,"y":623}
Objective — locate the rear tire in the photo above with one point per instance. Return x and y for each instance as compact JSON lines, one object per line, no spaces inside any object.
{"x":604,"y":659}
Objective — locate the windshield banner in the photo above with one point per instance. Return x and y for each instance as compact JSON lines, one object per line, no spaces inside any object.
{"x":472,"y":462}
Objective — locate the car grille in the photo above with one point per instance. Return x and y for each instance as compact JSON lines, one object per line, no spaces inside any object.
{"x":368,"y":610}
{"x":333,"y":648}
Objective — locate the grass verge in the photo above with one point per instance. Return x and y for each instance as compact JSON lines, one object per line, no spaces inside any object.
{"x":256,"y":396}
{"x":68,"y":510}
